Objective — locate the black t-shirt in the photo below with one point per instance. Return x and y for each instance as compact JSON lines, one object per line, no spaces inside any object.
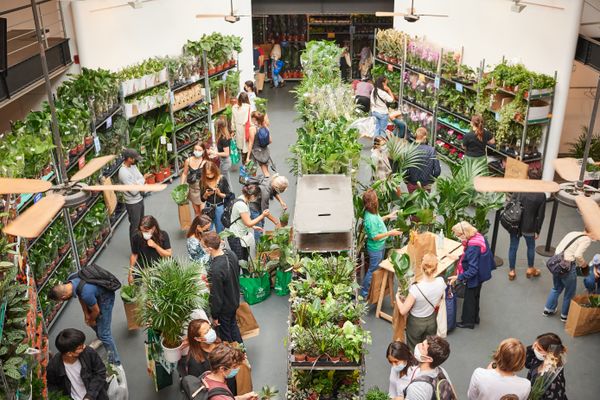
{"x":473,"y":146}
{"x":222,"y":143}
{"x":146,"y":254}
{"x":223,"y":186}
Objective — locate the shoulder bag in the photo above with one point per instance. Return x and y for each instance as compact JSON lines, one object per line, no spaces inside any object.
{"x":435,"y":308}
{"x":557,"y":264}
{"x":247,"y":127}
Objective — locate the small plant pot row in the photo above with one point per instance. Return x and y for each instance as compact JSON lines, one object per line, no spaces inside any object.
{"x":293,"y":75}
{"x":221,"y":67}
{"x":86,"y":255}
{"x":159,"y":176}
{"x":145,"y":104}
{"x":391,"y":60}
{"x":323,"y":360}
{"x":81,"y":148}
{"x":53,"y":264}
{"x":135,"y":85}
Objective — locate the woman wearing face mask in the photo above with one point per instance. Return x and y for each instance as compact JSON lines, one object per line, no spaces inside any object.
{"x":403,"y":365}
{"x":192,"y":175}
{"x":149,"y":244}
{"x":215,"y":189}
{"x":242,"y":225}
{"x":225,"y":363}
{"x":473,"y":268}
{"x":251,"y":92}
{"x":223,"y":151}
{"x":195,"y":250}
{"x":548,"y":349}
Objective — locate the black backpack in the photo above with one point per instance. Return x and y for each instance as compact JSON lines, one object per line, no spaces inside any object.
{"x":96,"y":275}
{"x":510,"y":218}
{"x":194,"y":389}
{"x":442,"y":388}
{"x":227,"y":209}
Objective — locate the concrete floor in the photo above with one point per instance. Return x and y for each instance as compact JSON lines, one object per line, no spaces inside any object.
{"x":508,"y":309}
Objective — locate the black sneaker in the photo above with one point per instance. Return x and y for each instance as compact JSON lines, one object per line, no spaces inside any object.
{"x":548,"y":313}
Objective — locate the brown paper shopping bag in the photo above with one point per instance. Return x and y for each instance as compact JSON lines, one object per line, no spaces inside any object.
{"x":260,"y":81}
{"x":419,"y":245}
{"x":246,"y":321}
{"x":515,"y":169}
{"x":398,"y":325}
{"x":582,"y":320}
{"x":110,"y":198}
{"x":185,"y":217}
{"x":243,"y":379}
{"x":131,"y":312}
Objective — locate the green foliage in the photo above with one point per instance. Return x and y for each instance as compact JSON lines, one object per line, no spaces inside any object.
{"x":376,"y":394}
{"x":401,"y":264}
{"x":129,"y":293}
{"x":99,"y":86}
{"x":576,"y":148}
{"x":170,"y":290}
{"x":180,"y":194}
{"x":146,"y":67}
{"x":268,"y":393}
{"x":261,"y":104}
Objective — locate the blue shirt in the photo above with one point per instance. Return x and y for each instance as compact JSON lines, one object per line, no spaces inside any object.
{"x":90,"y":293}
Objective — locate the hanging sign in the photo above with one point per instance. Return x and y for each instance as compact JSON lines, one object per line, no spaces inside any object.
{"x":436,"y":82}
{"x":330,"y":35}
{"x":163,"y":140}
{"x":108,"y":122}
{"x":97,"y":144}
{"x":81,"y":162}
{"x":37,"y":197}
{"x":169,"y":147}
{"x":458,"y":86}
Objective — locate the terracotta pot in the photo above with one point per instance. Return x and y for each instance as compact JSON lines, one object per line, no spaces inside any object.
{"x":80,"y":148}
{"x":72,"y":152}
{"x":159,"y":176}
{"x":166,"y":171}
{"x":212,"y":71}
{"x":88,"y":141}
{"x":344,"y":359}
{"x":311,"y":359}
{"x":220,"y":68}
{"x":299,"y":357}
{"x":335,"y":359}
{"x":150,"y":180}
{"x":47,"y":170}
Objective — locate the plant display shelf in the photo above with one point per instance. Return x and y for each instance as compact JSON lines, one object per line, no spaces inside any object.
{"x":464,"y":84}
{"x":394,"y":66}
{"x":88,"y":206}
{"x":456,"y":115}
{"x":74,"y":160}
{"x":449,"y":143}
{"x":416,"y":105}
{"x":59,"y":307}
{"x":192,"y":122}
{"x":33,"y":241}
{"x":104,"y":118}
{"x":450,"y":125}
{"x":27,"y":198}
{"x":113,"y":168}
{"x":40,"y":285}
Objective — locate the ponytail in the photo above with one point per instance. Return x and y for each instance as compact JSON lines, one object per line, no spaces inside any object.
{"x":477,"y":122}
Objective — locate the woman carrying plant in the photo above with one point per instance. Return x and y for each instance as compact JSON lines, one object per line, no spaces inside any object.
{"x":380,"y":97}
{"x":545,"y":360}
{"x":149,"y":244}
{"x":192,"y":175}
{"x":477,"y":139}
{"x":223,"y":150}
{"x":200,"y":224}
{"x":499,"y":378}
{"x":242,"y":242}
{"x":215,"y":189}
{"x":240,"y":117}
{"x":250,"y":90}
{"x":473,"y":268}
{"x":259,"y":141}
{"x":377,"y":233}
{"x":225,"y":363}
{"x":422,"y":302}
{"x":404,"y":366}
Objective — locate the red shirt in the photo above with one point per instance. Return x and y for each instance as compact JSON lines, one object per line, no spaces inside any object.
{"x":211,"y":384}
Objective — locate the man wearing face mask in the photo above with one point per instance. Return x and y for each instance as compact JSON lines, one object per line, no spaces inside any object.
{"x":431,"y":353}
{"x":129,"y":174}
{"x":77,"y":371}
{"x":225,"y":362}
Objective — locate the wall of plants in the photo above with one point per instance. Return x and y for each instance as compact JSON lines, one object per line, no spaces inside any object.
{"x":441,"y":93}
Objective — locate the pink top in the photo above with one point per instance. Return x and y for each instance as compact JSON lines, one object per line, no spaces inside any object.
{"x":364,"y":89}
{"x":477,"y":240}
{"x":211,"y":384}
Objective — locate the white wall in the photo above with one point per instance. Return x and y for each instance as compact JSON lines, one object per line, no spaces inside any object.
{"x":119,"y":37}
{"x":543,"y":39}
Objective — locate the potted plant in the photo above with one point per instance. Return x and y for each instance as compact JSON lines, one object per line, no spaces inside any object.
{"x":268,"y":393}
{"x":129,"y":295}
{"x":170,"y":290}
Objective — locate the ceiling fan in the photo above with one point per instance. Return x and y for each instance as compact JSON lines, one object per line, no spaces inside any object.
{"x":519,"y":5}
{"x":69,"y":194}
{"x":232,"y":17}
{"x":411,"y":16}
{"x":133,"y":4}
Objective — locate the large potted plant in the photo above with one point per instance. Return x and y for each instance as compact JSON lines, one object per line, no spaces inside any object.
{"x":170,"y":290}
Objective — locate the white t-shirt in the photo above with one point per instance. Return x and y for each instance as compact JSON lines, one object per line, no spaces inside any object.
{"x":433,"y":290}
{"x":78,"y":390}
{"x":238,"y":228}
{"x":488,"y":384}
{"x":398,"y":384}
{"x":377,"y":105}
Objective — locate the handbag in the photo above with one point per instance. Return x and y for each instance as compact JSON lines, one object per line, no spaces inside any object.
{"x":459,"y":289}
{"x":247,"y":127}
{"x":234,"y":152}
{"x":211,"y":209}
{"x":557,"y":264}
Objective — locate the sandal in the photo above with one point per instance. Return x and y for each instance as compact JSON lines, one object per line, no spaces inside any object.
{"x":533,"y":272}
{"x":512,"y":275}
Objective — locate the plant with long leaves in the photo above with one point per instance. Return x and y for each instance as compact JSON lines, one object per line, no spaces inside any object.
{"x":401,"y":264}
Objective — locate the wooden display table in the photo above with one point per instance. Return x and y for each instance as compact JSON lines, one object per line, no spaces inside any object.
{"x":451,"y":247}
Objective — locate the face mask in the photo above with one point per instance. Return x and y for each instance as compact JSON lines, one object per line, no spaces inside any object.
{"x":417,"y":353}
{"x":232,"y":373}
{"x":538,"y":355}
{"x":210,"y":336}
{"x":398,"y":368}
{"x":147,"y":235}
{"x":198,"y":154}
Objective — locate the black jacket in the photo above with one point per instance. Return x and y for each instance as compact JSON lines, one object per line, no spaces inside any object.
{"x":224,"y":282}
{"x":93,"y":374}
{"x":534,"y":210}
{"x":557,"y":389}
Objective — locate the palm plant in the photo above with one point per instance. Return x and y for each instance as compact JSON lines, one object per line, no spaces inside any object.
{"x":170,"y":290}
{"x":576,"y":148}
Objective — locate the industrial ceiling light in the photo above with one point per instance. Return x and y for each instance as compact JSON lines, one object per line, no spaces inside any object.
{"x":517,"y":7}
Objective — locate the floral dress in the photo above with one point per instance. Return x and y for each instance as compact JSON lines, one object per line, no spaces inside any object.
{"x":558,"y":387}
{"x":195,"y":250}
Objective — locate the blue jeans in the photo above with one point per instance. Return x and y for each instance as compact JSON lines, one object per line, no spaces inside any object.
{"x":375,"y":258}
{"x":590,"y":283}
{"x":217,"y":224}
{"x":514,"y":246}
{"x":257,"y":234}
{"x":381,"y":123}
{"x":400,"y":129}
{"x":102,"y":328}
{"x":566,"y":282}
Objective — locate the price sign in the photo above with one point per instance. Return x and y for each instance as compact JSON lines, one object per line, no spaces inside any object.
{"x":458,"y":86}
{"x":497,"y":116}
{"x":436,"y":82}
{"x":97,"y":144}
{"x":81,"y":162}
{"x":108,"y":122}
{"x":422,"y":77}
{"x":172,"y":98}
{"x":37,"y":197}
{"x":163,"y":140}
{"x":330,"y":35}
{"x":390,"y":67}
{"x":169,"y":147}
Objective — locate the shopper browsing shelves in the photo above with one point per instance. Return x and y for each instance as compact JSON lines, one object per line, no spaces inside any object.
{"x":192,"y":175}
{"x":475,"y":142}
{"x":380,"y":97}
{"x":242,"y":243}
